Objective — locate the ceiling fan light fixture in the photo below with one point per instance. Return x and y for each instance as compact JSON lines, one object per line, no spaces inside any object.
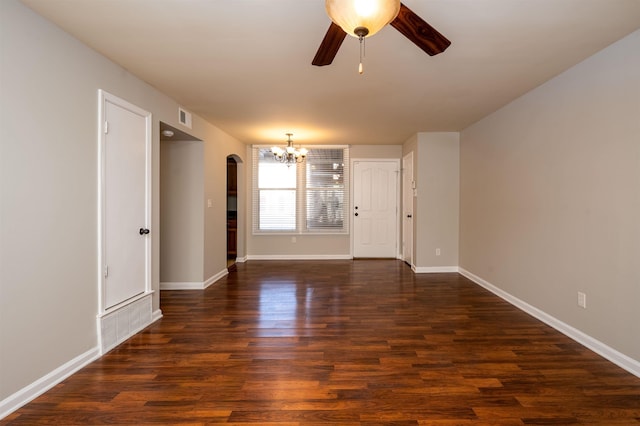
{"x":353,"y":15}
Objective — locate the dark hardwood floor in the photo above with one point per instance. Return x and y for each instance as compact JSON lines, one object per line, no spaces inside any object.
{"x":362,"y":342}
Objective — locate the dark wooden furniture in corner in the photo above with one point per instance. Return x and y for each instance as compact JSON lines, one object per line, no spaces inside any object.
{"x":232,"y":213}
{"x":232,"y":232}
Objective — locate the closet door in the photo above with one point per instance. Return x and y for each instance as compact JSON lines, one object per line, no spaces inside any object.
{"x":125,"y":200}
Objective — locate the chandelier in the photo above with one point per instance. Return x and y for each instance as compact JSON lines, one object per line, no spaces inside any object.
{"x":289,"y":155}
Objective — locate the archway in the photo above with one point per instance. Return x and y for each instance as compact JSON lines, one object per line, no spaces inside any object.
{"x":232,"y":212}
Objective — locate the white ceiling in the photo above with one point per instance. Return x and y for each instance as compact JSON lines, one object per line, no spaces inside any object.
{"x":245,"y":65}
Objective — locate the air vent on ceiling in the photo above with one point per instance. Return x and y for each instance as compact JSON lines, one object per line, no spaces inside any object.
{"x":184,"y":117}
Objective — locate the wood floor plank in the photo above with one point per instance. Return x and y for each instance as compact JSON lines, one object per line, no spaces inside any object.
{"x":363,"y":342}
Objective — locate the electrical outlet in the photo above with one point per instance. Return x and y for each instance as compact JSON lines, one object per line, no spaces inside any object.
{"x":582,"y":300}
{"x":294,"y":240}
{"x":437,"y":252}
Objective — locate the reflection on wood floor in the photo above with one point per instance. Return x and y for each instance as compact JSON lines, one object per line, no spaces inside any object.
{"x":363,"y":342}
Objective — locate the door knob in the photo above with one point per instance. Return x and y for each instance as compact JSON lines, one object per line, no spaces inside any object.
{"x":144,"y":231}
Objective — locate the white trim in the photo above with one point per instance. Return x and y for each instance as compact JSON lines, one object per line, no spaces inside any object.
{"x":193,"y":285}
{"x":242,"y":259}
{"x":616,"y":357}
{"x":156,"y":315}
{"x":406,"y":230}
{"x":184,"y":285}
{"x":299,"y":257}
{"x":124,"y":303}
{"x":101,"y":213}
{"x":212,"y":279}
{"x":46,"y":382}
{"x":433,"y":269}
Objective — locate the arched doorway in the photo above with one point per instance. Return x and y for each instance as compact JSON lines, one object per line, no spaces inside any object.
{"x":232,"y":212}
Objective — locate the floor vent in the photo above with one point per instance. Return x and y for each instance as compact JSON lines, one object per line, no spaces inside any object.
{"x":119,"y":325}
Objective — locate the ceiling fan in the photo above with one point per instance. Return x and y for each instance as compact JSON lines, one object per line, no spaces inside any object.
{"x":362,"y":18}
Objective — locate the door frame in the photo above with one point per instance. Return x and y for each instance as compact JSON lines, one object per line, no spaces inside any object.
{"x":104,"y":98}
{"x":407,"y":193}
{"x":396,"y":161}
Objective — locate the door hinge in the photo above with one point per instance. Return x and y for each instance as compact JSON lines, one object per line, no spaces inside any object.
{"x":106,"y":271}
{"x":106,"y":127}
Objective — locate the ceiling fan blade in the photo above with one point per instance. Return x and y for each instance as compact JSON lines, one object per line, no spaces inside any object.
{"x":329,"y":47}
{"x":419,"y":32}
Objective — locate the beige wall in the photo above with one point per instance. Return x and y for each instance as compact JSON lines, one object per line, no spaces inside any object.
{"x":48,"y":191}
{"x":218,"y":146}
{"x":182,"y":211}
{"x":436,"y":171}
{"x":550,"y":197}
{"x":376,"y":151}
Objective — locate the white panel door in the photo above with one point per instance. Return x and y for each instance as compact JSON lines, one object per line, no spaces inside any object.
{"x":375,"y":213}
{"x":407,"y":208}
{"x":125,"y":167}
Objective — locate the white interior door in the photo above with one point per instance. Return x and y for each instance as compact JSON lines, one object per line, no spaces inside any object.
{"x":407,"y":208}
{"x":375,"y":213}
{"x":126,"y":154}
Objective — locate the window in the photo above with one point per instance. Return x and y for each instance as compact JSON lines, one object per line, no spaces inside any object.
{"x":310,"y":197}
{"x":277,"y":190}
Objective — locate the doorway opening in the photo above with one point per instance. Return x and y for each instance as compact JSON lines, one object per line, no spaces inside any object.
{"x":181,"y":209}
{"x":232,"y":212}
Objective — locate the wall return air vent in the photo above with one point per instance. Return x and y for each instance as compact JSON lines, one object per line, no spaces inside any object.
{"x":184,"y":117}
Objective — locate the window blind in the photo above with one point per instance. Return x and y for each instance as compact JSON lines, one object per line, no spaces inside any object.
{"x":308,"y":197}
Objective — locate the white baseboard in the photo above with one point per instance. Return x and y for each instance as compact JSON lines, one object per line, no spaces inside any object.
{"x":433,"y":269}
{"x":187,"y":285}
{"x":156,"y":315}
{"x":242,"y":259}
{"x":616,"y":357}
{"x":215,"y":278}
{"x":193,"y":285}
{"x":300,"y":257}
{"x":43,"y":384}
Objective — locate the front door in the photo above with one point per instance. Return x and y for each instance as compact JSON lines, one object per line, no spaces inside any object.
{"x":375,"y":212}
{"x":125,"y":168}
